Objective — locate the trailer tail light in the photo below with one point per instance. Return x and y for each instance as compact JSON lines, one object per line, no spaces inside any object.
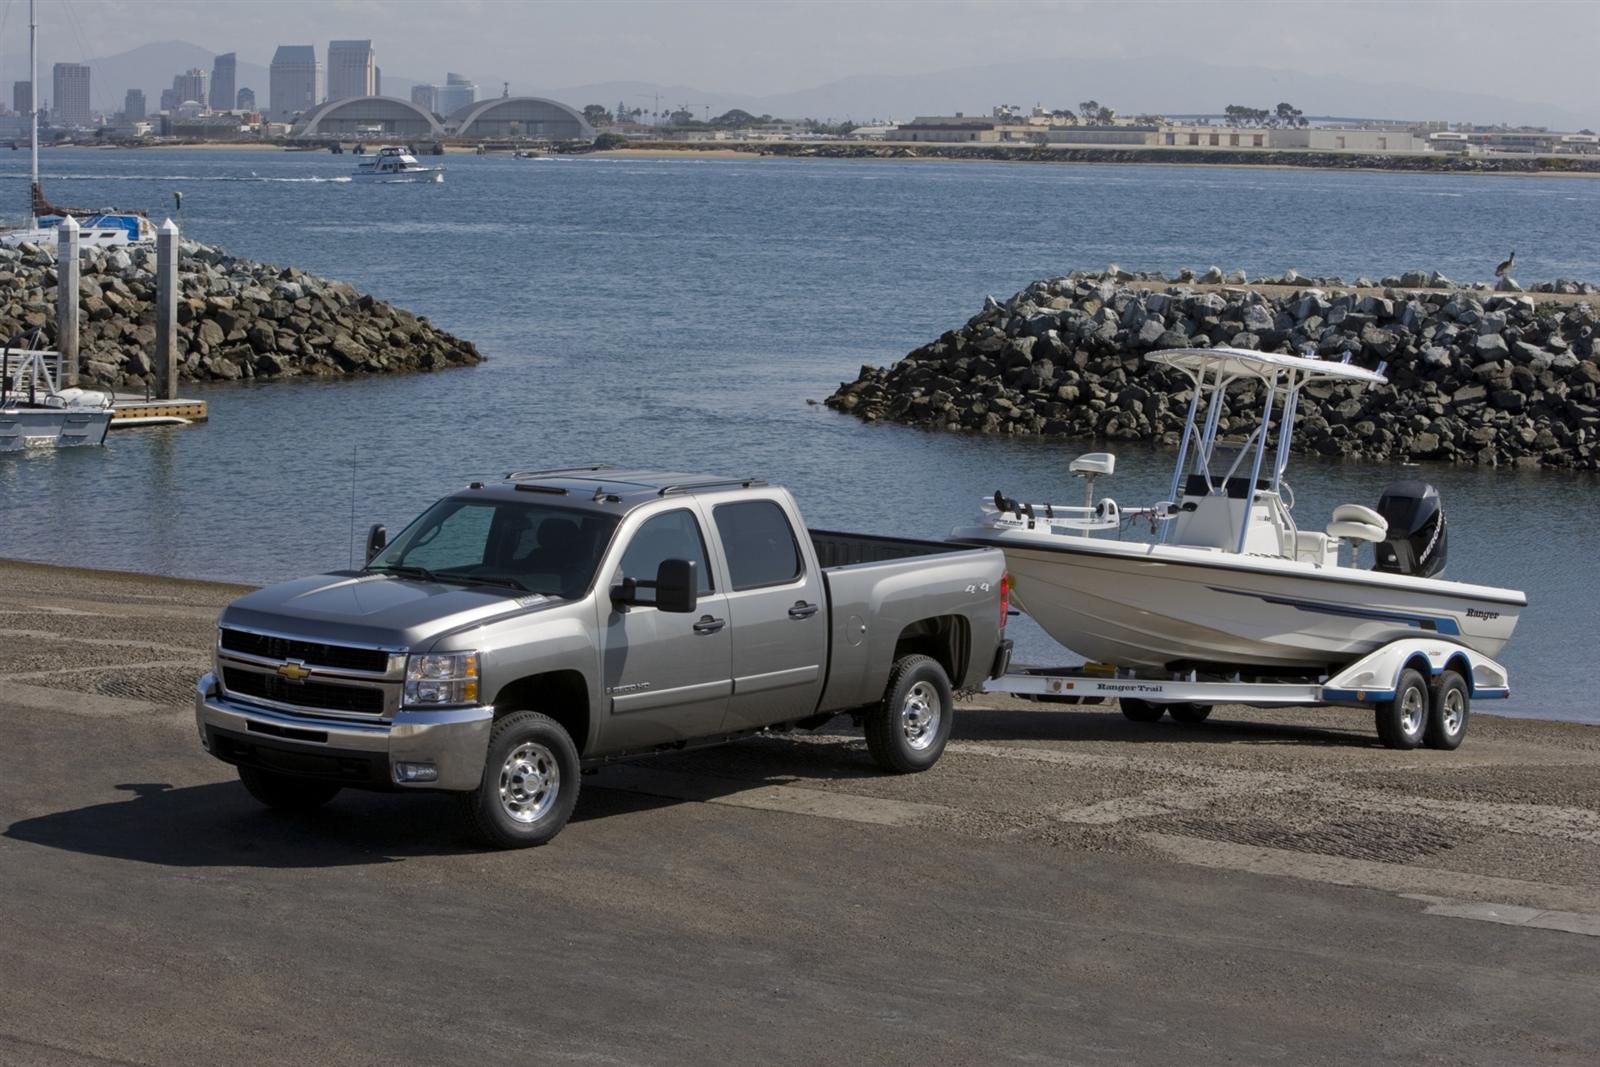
{"x":1005,"y":599}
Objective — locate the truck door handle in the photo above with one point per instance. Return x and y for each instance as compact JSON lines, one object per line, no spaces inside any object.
{"x":802,"y":610}
{"x":708,"y":625}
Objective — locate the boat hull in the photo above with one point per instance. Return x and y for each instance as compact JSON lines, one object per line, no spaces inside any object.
{"x":1152,"y":606}
{"x":24,"y":428}
{"x":402,"y":178}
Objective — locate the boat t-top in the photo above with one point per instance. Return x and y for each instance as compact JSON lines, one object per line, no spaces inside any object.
{"x":1229,"y":585}
{"x":393,"y":164}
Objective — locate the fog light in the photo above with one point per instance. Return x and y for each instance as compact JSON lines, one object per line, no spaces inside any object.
{"x":416,"y":772}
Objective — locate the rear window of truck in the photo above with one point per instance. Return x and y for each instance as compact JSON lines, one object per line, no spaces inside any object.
{"x":759,"y":543}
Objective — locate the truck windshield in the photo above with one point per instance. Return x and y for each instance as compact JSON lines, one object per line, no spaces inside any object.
{"x":523,"y":546}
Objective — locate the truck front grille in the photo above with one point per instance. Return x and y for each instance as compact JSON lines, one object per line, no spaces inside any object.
{"x":316,"y":653}
{"x":361,"y":700}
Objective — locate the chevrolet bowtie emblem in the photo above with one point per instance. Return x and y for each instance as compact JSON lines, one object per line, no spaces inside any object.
{"x":295,"y":672}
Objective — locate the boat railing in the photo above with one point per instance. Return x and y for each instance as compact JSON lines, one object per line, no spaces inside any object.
{"x":25,"y":371}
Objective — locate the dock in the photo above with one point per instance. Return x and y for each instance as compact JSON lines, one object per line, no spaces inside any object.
{"x":132,"y":409}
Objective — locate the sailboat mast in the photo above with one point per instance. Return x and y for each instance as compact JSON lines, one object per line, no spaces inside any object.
{"x":33,"y":106}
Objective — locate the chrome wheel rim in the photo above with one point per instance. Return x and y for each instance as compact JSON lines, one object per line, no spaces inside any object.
{"x":530,"y":780}
{"x":1413,"y":708}
{"x":1454,"y":711}
{"x":919,"y":715}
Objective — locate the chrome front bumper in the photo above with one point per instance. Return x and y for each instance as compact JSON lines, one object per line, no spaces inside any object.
{"x":455,"y":741}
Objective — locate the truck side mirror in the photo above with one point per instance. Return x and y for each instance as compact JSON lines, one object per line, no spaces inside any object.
{"x":676,"y":588}
{"x":377,"y":540}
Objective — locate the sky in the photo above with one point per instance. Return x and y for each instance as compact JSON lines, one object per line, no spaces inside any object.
{"x":1535,"y":50}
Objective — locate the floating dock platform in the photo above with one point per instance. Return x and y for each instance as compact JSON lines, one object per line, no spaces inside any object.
{"x":132,"y":409}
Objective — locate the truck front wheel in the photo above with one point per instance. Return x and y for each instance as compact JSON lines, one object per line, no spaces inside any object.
{"x":286,"y":792}
{"x":529,"y":786}
{"x":908,"y":730}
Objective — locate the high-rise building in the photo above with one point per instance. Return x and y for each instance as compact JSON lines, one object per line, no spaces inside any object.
{"x":296,"y":79}
{"x":224,"y":75}
{"x":71,"y":92}
{"x":190,"y":85}
{"x":133,"y":105}
{"x":22,"y":97}
{"x":169,"y":100}
{"x":424,"y":96}
{"x":377,"y":81}
{"x":246,"y":100}
{"x":456,"y":93}
{"x":351,"y":69}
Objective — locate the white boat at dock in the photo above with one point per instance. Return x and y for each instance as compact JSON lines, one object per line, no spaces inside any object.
{"x":104,"y":228}
{"x":34,"y":413}
{"x":392,"y":164}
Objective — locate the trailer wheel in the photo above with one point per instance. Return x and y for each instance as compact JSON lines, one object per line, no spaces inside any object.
{"x":1449,"y":704}
{"x":287,"y":792}
{"x":529,"y":785}
{"x":906,"y":731}
{"x":1402,"y":721}
{"x":1189,"y":714}
{"x":1142,"y":710}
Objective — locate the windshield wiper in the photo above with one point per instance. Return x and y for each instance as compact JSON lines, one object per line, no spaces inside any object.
{"x":487,"y":579}
{"x":408,"y":570}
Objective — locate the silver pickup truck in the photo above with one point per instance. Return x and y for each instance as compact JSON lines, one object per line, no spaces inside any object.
{"x":520,"y":633}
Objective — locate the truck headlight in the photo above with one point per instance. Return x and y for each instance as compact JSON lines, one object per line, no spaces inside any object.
{"x":442,"y":678}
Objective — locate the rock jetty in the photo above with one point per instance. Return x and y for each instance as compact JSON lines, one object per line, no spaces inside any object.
{"x":237,"y":319}
{"x":1475,"y":376}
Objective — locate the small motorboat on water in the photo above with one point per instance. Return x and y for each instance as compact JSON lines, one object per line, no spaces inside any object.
{"x":393,"y":164}
{"x":1230,"y":583}
{"x":34,"y":413}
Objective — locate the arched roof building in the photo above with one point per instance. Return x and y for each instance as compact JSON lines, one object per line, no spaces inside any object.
{"x":359,"y":114}
{"x":519,"y":116}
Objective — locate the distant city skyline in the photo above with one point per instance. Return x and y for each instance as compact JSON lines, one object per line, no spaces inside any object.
{"x":1543,"y":55}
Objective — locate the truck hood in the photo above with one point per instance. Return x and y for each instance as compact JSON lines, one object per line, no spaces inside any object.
{"x":375,"y":609}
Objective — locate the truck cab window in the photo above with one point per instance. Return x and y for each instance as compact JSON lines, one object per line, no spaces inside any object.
{"x":673,"y":535}
{"x":759,"y":543}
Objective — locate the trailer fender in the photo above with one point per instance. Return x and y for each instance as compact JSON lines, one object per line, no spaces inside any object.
{"x":1375,"y":677}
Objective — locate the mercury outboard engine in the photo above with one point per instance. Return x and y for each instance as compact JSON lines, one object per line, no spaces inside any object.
{"x":1416,"y":542}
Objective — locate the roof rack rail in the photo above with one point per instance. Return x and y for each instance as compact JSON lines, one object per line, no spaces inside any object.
{"x":712,"y":483}
{"x":512,"y":475}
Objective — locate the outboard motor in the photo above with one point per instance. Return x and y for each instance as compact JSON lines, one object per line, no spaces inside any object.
{"x":1416,"y":542}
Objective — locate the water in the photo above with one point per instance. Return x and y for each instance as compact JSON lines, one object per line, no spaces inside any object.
{"x":681,"y":312}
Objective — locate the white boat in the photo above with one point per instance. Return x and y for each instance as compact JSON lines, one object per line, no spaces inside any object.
{"x":392,"y":164}
{"x":34,"y":413}
{"x":1229,"y":582}
{"x":98,"y":228}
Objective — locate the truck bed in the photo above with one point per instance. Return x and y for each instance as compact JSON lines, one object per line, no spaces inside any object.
{"x":836,"y":549}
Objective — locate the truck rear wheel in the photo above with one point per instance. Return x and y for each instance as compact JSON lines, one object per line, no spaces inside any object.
{"x":1401,"y":721}
{"x":1449,"y":704}
{"x":287,"y":792}
{"x":1141,"y":710}
{"x":1189,"y":714}
{"x":529,"y":785}
{"x":907,"y":731}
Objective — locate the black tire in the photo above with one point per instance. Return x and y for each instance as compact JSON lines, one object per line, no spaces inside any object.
{"x":1189,"y":714}
{"x":908,"y":730}
{"x":1141,"y":710}
{"x":1402,"y":721}
{"x":287,"y":792}
{"x":1449,"y":706}
{"x":529,"y":754}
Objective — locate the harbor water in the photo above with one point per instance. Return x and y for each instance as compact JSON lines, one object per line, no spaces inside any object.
{"x":681,"y":313}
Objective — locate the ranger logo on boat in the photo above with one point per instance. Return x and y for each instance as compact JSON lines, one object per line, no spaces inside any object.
{"x":1479,"y":613}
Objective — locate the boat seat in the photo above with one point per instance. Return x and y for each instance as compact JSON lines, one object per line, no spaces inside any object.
{"x":1352,"y":530}
{"x":1353,"y":522}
